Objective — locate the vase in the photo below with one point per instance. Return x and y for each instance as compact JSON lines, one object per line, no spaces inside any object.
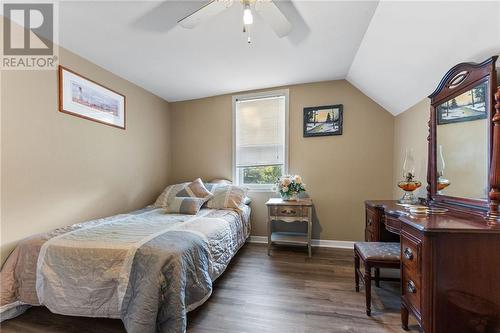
{"x":289,"y":197}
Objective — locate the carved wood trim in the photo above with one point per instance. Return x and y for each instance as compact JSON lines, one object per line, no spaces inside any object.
{"x":494,"y":195}
{"x":429,"y":152}
{"x":471,"y":73}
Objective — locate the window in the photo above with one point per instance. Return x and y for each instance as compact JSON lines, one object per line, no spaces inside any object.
{"x":260,"y":144}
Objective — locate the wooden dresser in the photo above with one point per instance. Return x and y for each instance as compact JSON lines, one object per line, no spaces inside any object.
{"x":450,"y":263}
{"x":450,"y":267}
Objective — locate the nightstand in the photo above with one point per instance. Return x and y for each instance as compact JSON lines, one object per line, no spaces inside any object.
{"x":289,"y":211}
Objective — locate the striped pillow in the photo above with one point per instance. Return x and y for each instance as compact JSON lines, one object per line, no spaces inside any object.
{"x":185,"y":205}
{"x":169,"y":194}
{"x":226,"y":196}
{"x":195,"y":189}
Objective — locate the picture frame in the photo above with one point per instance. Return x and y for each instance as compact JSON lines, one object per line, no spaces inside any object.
{"x":467,"y":106}
{"x":323,"y":120}
{"x":84,"y":98}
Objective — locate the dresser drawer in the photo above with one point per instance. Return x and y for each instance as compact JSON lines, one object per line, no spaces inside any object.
{"x":369,"y":237}
{"x":289,"y":211}
{"x":372,"y":220}
{"x":410,"y":254}
{"x":392,"y":224}
{"x":410,"y":290}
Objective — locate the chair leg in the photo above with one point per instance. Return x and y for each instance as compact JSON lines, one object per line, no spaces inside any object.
{"x":356,"y":270}
{"x":404,"y":317}
{"x":368,"y":288}
{"x":377,"y":277}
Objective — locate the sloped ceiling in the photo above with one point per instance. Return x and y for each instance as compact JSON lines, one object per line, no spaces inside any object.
{"x":395,"y":52}
{"x":409,"y":46}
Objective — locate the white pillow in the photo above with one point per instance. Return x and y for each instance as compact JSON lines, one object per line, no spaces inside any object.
{"x":227,"y":197}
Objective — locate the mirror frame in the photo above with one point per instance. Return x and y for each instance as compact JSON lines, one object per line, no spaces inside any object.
{"x":458,"y":80}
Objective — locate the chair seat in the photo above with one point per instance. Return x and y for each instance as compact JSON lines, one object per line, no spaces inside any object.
{"x":380,"y":251}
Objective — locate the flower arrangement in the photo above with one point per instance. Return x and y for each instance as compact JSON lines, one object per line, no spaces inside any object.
{"x":289,"y":186}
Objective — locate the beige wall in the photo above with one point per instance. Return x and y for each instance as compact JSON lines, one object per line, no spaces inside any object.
{"x":340,"y":171}
{"x":411,"y":131}
{"x":58,"y":169}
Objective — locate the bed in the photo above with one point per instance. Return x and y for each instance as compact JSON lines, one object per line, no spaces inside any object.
{"x":147,"y":268}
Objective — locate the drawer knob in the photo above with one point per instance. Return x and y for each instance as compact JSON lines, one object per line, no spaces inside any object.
{"x":370,"y":221}
{"x":410,"y":286}
{"x":408,"y":253}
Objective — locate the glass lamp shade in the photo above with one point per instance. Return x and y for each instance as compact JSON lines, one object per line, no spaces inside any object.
{"x":408,"y":165}
{"x":442,"y":182}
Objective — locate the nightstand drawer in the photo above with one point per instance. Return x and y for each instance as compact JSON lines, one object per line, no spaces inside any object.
{"x":289,"y":211}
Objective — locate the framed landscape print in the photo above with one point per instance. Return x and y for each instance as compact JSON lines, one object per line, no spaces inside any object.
{"x":87,"y":99}
{"x":323,"y":120}
{"x":470,"y":105}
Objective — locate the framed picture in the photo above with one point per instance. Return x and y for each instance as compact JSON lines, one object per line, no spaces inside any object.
{"x":87,"y":99}
{"x":470,"y":105}
{"x":323,"y":120}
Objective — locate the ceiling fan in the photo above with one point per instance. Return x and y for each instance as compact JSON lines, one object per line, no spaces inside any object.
{"x":266,"y":9}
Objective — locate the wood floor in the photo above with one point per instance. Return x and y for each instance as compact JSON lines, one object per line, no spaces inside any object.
{"x":286,"y":292}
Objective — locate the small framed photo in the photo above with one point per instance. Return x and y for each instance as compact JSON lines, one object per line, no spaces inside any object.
{"x":323,"y":120}
{"x":90,"y":100}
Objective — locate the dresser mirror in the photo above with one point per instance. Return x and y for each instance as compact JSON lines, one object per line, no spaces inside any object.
{"x":460,"y":140}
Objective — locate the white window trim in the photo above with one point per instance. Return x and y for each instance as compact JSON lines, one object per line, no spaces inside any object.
{"x":263,"y":94}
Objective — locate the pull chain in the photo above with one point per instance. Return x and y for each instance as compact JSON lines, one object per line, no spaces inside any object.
{"x":246,"y":29}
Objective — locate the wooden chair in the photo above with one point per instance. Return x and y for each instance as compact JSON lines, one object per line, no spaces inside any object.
{"x":374,"y":255}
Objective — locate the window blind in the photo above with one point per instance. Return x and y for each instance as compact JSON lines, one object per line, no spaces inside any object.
{"x":260,"y":132}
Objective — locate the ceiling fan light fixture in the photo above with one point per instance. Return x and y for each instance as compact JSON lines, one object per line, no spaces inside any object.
{"x":247,"y":15}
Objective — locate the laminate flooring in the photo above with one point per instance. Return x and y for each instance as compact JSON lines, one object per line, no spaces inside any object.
{"x":286,"y":292}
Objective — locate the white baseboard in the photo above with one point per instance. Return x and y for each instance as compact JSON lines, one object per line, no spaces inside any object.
{"x":338,"y":244}
{"x":315,"y":242}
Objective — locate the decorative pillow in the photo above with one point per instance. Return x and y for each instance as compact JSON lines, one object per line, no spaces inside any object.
{"x":211,"y":186}
{"x":195,"y":189}
{"x":227,"y":196}
{"x":169,"y":194}
{"x":185,"y":205}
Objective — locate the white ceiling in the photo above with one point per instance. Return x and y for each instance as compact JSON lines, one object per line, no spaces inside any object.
{"x":395,"y":52}
{"x":409,"y":46}
{"x":140,"y":42}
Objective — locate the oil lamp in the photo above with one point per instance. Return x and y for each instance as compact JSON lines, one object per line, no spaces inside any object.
{"x":442,"y":182}
{"x":409,"y":184}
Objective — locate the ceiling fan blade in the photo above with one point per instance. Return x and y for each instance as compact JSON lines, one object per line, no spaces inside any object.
{"x":209,"y":10}
{"x":268,"y":10}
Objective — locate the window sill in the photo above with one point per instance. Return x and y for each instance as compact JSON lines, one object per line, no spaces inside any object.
{"x":261,"y":190}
